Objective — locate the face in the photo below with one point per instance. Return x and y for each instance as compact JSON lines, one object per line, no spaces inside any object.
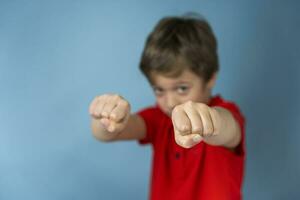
{"x":170,"y":92}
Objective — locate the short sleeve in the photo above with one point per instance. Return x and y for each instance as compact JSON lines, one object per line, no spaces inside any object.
{"x":235,"y":111}
{"x":149,"y":117}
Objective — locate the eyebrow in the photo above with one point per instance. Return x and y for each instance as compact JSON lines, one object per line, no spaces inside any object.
{"x":178,"y":83}
{"x":174,"y":87}
{"x":183,"y":82}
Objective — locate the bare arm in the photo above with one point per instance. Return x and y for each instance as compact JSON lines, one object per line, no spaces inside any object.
{"x":227,"y":132}
{"x":196,"y":122}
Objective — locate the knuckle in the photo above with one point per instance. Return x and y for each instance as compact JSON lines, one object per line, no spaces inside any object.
{"x":209,"y":130}
{"x":183,"y":128}
{"x":98,"y":98}
{"x":104,"y":96}
{"x":105,"y":107}
{"x":116,"y":97}
{"x":175,"y":109}
{"x":188,"y":146}
{"x":113,"y":115}
{"x":215,"y":131}
{"x":179,"y":141}
{"x":189,"y":104}
{"x":205,"y":134}
{"x":125,"y":103}
{"x":197,"y":129}
{"x":203,"y":106}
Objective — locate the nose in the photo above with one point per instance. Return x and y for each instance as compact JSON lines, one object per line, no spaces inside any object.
{"x":171,"y":102}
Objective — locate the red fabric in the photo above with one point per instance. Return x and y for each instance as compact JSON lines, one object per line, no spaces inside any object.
{"x":202,"y":172}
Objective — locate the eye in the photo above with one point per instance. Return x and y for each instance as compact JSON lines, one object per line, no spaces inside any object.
{"x":182,"y":89}
{"x":158,"y":91}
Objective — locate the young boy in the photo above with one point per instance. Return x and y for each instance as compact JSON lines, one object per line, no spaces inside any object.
{"x":197,"y":139}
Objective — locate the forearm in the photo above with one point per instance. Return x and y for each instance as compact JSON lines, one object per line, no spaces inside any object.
{"x":227,"y":132}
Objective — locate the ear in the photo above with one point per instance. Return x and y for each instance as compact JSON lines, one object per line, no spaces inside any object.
{"x":212,"y":81}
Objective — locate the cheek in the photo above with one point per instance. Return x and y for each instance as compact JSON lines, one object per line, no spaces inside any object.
{"x":197,"y":98}
{"x":160,"y":101}
{"x":194,"y":96}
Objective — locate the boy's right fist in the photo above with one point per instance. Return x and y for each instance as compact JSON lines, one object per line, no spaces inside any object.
{"x":111,"y":110}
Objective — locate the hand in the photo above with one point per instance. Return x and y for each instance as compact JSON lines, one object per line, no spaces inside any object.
{"x":111,"y":110}
{"x":192,"y":122}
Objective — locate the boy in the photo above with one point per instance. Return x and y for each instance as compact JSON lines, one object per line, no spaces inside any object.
{"x":197,"y":139}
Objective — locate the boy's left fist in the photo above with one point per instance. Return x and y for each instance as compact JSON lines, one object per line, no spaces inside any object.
{"x":192,"y":122}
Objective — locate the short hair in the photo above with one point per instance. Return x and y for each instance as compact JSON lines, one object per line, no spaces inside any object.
{"x":179,"y":43}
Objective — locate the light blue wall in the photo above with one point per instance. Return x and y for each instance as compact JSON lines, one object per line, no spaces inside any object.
{"x":55,"y":56}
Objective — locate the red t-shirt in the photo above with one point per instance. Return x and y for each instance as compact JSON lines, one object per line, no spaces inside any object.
{"x":203,"y":172}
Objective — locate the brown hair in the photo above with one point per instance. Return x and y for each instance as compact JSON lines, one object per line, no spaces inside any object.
{"x":179,"y":43}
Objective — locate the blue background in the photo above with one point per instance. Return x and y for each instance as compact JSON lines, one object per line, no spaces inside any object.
{"x":55,"y":56}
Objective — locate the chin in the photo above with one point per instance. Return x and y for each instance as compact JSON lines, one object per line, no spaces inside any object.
{"x":169,"y":113}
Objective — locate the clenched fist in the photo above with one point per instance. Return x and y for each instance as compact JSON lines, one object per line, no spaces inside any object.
{"x":111,"y":110}
{"x":192,"y":122}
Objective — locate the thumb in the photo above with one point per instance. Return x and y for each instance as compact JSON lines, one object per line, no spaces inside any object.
{"x":111,"y":126}
{"x":105,"y":122}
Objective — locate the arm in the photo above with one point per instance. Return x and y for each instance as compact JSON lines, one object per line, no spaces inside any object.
{"x":194,"y":122}
{"x":111,"y":119}
{"x":227,"y":132}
